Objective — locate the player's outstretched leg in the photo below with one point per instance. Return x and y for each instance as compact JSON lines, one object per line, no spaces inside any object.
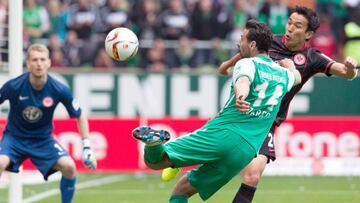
{"x":150,"y":136}
{"x":154,"y":152}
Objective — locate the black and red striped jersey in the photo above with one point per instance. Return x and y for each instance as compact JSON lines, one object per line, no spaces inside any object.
{"x":308,"y":61}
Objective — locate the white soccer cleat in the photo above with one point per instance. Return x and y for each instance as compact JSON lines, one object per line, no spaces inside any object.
{"x":151,"y":136}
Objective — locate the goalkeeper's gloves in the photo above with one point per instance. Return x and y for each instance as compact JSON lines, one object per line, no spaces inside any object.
{"x":88,"y":156}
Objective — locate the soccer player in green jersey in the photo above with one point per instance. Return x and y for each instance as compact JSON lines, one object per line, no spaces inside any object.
{"x":228,"y":142}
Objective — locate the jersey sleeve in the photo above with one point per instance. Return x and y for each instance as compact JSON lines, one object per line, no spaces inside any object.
{"x":6,"y":92}
{"x":292,"y":79}
{"x":71,"y":104}
{"x":244,"y":67}
{"x":321,"y":62}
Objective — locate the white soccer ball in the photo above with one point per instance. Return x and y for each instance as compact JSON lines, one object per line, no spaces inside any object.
{"x":121,"y":44}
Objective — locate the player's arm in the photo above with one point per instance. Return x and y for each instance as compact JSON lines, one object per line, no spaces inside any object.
{"x":83,"y":126}
{"x":7,"y":91}
{"x":289,"y":64}
{"x":242,"y":88}
{"x":346,"y":70}
{"x":243,"y":75}
{"x":88,"y":155}
{"x":224,"y":67}
{"x":73,"y":108}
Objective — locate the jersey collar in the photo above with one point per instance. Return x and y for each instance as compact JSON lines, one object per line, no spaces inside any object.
{"x":264,"y":58}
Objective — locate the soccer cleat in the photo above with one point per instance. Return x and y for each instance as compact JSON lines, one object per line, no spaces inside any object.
{"x":169,"y":173}
{"x":150,"y":136}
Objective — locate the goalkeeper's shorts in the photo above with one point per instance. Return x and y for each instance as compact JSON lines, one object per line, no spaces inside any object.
{"x":43,"y":152}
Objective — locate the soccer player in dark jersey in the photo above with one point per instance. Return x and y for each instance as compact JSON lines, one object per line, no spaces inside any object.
{"x":33,"y":97}
{"x":300,"y":27}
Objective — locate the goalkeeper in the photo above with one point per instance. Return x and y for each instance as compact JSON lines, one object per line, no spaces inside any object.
{"x":33,"y":97}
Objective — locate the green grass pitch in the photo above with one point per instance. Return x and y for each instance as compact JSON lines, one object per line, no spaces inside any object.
{"x":145,"y":188}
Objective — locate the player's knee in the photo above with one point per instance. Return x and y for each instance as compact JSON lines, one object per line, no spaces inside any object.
{"x":4,"y":163}
{"x":183,"y":187}
{"x":2,"y":167}
{"x":252,"y":177}
{"x":68,"y":169}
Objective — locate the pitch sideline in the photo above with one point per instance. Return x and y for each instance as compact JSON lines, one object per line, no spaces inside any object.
{"x":79,"y":186}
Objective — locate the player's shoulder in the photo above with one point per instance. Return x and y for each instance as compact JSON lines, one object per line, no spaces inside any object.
{"x":316,"y":53}
{"x":55,"y":84}
{"x":18,"y":81}
{"x":313,"y":50}
{"x":244,"y":62}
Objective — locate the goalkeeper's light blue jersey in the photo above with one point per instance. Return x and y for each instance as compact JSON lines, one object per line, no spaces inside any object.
{"x":31,"y":111}
{"x":269,"y":83}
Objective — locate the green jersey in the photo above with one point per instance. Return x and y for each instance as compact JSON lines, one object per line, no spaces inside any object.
{"x":269,"y":83}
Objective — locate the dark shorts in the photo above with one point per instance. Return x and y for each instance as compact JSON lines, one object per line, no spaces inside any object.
{"x":268,"y":146}
{"x":43,"y":153}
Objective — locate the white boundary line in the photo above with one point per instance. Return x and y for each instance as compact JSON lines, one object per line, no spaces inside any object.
{"x":83,"y":185}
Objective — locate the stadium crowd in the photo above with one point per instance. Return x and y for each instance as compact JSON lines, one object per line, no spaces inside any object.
{"x":173,"y":34}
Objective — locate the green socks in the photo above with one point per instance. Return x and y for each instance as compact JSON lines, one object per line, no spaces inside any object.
{"x":154,"y":154}
{"x":178,"y":199}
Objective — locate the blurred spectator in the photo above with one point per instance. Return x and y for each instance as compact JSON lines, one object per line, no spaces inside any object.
{"x":155,"y":60}
{"x":58,"y":18}
{"x":275,"y":13}
{"x":253,"y":8}
{"x":97,"y":3}
{"x":82,"y":19}
{"x":352,"y":34}
{"x":336,"y":12}
{"x":103,"y":60}
{"x":199,"y":25}
{"x":203,"y":21}
{"x":184,"y":52}
{"x":112,"y":15}
{"x":54,"y":42}
{"x":351,"y":4}
{"x":324,"y":39}
{"x":203,"y":27}
{"x":71,"y":49}
{"x":223,"y":20}
{"x":239,"y":19}
{"x":307,"y":3}
{"x":144,"y":16}
{"x":3,"y":29}
{"x":220,"y":53}
{"x":57,"y":59}
{"x":174,"y":21}
{"x":36,"y":20}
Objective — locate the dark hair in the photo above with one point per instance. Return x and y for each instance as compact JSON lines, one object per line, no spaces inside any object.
{"x":260,"y":33}
{"x":310,"y":15}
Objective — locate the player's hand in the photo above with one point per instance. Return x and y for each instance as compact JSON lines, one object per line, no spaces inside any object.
{"x":88,"y":156}
{"x":242,"y":105}
{"x":350,"y":63}
{"x":287,"y":63}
